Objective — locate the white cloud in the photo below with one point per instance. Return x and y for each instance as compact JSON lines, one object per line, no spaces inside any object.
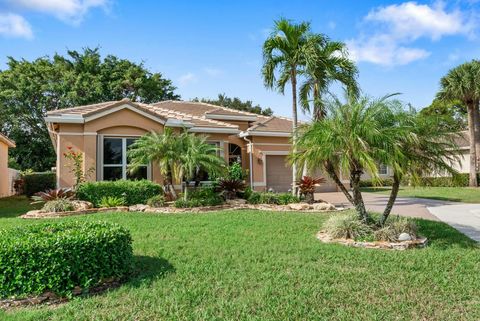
{"x":13,"y":25}
{"x":398,"y":26}
{"x":188,"y":78}
{"x":213,"y":72}
{"x":71,"y":11}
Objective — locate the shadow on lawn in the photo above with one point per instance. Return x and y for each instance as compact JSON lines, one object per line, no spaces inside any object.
{"x":148,"y":269}
{"x":442,"y":236}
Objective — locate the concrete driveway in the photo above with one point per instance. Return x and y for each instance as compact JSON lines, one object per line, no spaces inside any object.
{"x":405,"y":206}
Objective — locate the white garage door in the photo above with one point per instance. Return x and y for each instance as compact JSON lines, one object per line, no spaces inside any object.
{"x":279,"y":173}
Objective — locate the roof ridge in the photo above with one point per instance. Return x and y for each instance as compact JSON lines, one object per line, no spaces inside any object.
{"x":106,"y":103}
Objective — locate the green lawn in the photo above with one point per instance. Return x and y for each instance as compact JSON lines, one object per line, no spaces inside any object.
{"x":15,"y":205}
{"x":454,"y":194}
{"x":254,"y":265}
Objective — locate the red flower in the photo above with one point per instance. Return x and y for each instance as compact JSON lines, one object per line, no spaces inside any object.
{"x":69,"y":147}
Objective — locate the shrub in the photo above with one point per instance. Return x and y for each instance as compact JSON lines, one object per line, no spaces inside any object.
{"x":230,"y":187}
{"x":59,"y":205}
{"x":272,"y":198}
{"x":347,"y":226}
{"x":236,"y":172}
{"x":58,"y":257}
{"x":247,"y":192}
{"x":394,"y":227}
{"x":206,"y":196}
{"x":382,"y":182}
{"x":38,"y":182}
{"x":156,"y":201}
{"x":307,"y":186}
{"x":112,"y":201}
{"x":134,"y":192}
{"x":460,"y":180}
{"x":53,"y":195}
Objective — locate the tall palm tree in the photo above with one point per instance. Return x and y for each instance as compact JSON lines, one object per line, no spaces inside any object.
{"x":350,"y":138}
{"x":331,"y":65}
{"x":197,"y":154}
{"x":286,"y":51}
{"x":463,"y":83}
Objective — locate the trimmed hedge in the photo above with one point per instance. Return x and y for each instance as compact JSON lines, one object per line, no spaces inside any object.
{"x":272,"y":198}
{"x":38,"y":182}
{"x":134,"y":192}
{"x":58,"y":257}
{"x":383,"y":182}
{"x":204,"y":196}
{"x":460,"y":180}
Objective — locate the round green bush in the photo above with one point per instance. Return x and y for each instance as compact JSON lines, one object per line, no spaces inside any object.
{"x":156,"y":201}
{"x":58,"y":257}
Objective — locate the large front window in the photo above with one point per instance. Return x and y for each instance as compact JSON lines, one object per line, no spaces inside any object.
{"x":116,"y":162}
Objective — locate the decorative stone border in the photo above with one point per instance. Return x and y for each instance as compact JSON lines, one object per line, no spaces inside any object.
{"x":404,"y":245}
{"x":230,"y":205}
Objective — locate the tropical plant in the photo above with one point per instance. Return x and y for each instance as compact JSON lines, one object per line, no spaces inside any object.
{"x":156,"y":201}
{"x":307,"y":186}
{"x":52,"y":195}
{"x":230,"y":187}
{"x":463,"y":83}
{"x":346,"y":226}
{"x":112,"y":201}
{"x":287,"y":51}
{"x":76,"y":166}
{"x":58,"y":205}
{"x":330,"y":65}
{"x":235,"y":171}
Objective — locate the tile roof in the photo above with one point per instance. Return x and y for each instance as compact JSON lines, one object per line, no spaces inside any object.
{"x":6,"y":140}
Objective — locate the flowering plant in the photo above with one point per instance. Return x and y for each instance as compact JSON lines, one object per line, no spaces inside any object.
{"x":76,"y":168}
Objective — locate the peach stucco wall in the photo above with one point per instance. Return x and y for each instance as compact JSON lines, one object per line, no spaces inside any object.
{"x":4,"y":188}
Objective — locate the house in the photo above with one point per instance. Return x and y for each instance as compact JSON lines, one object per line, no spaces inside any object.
{"x":5,"y":177}
{"x":103,"y":132}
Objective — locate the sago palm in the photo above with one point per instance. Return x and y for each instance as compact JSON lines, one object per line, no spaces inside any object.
{"x":463,"y":83}
{"x":285,"y":52}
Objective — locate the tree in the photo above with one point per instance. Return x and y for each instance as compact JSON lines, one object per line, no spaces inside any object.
{"x":330,"y":65}
{"x":238,"y":104}
{"x":287,"y":51}
{"x":352,"y":138}
{"x":463,"y":83}
{"x":451,"y":114}
{"x":428,"y":148}
{"x":178,"y":156}
{"x":28,"y":89}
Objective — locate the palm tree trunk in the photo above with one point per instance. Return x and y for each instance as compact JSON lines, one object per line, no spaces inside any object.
{"x":294,"y":126}
{"x":331,"y":172}
{"x":473,"y":154}
{"x":391,"y":199}
{"x":185,"y":193}
{"x":357,"y":195}
{"x":476,"y":119}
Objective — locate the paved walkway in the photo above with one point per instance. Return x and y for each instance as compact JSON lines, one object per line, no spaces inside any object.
{"x":463,"y":217}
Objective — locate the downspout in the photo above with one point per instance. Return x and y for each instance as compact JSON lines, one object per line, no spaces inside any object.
{"x":251,"y":160}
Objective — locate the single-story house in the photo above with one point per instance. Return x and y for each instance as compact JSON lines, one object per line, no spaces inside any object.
{"x":103,"y":132}
{"x":5,"y":178}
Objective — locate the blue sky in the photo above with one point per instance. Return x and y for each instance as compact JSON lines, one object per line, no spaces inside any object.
{"x":211,"y":47}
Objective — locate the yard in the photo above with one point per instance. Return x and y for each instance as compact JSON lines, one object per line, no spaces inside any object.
{"x":454,"y":194}
{"x":255,"y":265}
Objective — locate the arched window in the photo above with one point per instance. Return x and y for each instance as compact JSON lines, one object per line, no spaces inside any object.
{"x":234,"y":154}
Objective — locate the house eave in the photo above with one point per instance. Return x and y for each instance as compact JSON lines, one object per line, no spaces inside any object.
{"x":265,"y":134}
{"x":214,"y":130}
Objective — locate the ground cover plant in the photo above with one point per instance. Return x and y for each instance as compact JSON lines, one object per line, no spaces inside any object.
{"x":255,"y":265}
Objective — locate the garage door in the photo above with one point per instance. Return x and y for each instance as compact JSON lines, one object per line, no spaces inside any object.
{"x":279,"y":173}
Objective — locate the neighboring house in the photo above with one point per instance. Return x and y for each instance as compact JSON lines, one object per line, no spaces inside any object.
{"x":5,"y":181}
{"x":103,"y":132}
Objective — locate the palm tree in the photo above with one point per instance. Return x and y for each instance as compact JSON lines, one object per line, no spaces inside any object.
{"x":285,"y":52}
{"x":331,"y":65}
{"x":197,"y":154}
{"x":428,"y":148}
{"x":351,"y":138}
{"x":463,"y":83}
{"x":160,"y":148}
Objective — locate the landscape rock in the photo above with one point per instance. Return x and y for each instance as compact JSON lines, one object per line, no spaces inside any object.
{"x":404,"y":237}
{"x":81,"y":205}
{"x":324,"y":206}
{"x":138,"y":208}
{"x":236,"y":202}
{"x":299,"y":206}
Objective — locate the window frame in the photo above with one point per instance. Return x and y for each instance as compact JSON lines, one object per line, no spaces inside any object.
{"x":123,"y":164}
{"x":382,"y":166}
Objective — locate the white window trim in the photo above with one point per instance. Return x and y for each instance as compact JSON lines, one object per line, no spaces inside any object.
{"x":123,"y":165}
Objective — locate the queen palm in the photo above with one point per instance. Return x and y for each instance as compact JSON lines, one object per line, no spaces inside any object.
{"x":463,"y":83}
{"x":285,"y":52}
{"x":331,"y":65}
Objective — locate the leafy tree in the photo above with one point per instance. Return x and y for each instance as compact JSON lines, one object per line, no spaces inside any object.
{"x":286,"y":52}
{"x":330,"y":65}
{"x":463,"y":83}
{"x":451,"y":114}
{"x":238,"y":104}
{"x":28,"y":89}
{"x":178,"y":156}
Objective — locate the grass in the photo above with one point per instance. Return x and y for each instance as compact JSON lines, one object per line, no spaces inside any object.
{"x":15,"y":205}
{"x":453,"y":194}
{"x":254,"y":265}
